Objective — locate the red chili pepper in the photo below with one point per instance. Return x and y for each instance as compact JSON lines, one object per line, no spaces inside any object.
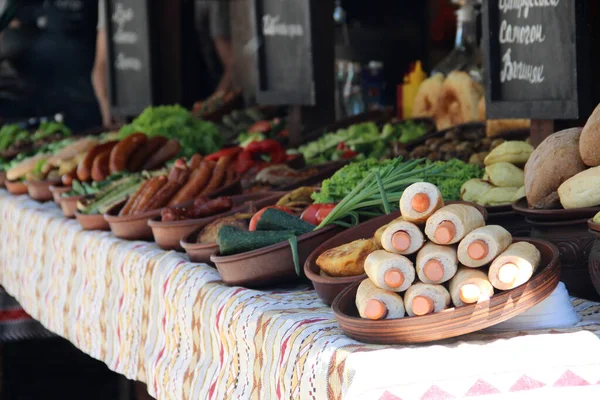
{"x":260,"y":127}
{"x":348,"y":154}
{"x":244,"y":162}
{"x":230,"y":151}
{"x":270,"y":145}
{"x":278,"y":157}
{"x":341,"y":146}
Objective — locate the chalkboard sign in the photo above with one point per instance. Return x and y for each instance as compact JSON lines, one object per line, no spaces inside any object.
{"x":285,"y":52}
{"x":129,"y":69}
{"x":536,"y":59}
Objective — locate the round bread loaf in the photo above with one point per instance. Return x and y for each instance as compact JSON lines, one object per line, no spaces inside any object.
{"x":589,"y":143}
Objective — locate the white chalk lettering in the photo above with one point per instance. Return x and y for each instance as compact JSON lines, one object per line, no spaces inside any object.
{"x":519,"y":71}
{"x":525,"y":35}
{"x":273,"y":27}
{"x":124,"y":63}
{"x":523,"y":6}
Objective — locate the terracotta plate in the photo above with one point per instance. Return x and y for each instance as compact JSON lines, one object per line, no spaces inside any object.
{"x":554,"y":214}
{"x":69,"y":205}
{"x":92,"y":222}
{"x":453,"y":321}
{"x":16,"y":188}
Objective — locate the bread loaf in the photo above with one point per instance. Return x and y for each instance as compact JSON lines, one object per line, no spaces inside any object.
{"x":390,"y":271}
{"x":514,"y":152}
{"x":402,"y":237}
{"x":495,"y":127}
{"x":589,"y":143}
{"x":482,"y":245}
{"x":554,"y":161}
{"x":498,"y":196}
{"x":375,"y":303}
{"x":469,"y":286}
{"x":474,"y":189}
{"x":515,"y":266}
{"x":505,"y":174}
{"x":423,"y":299}
{"x":581,"y":190}
{"x":453,"y":222}
{"x":436,"y":264}
{"x":419,"y":201}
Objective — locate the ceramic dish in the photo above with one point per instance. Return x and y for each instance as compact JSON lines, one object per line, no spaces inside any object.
{"x":452,"y":321}
{"x":328,"y":287}
{"x":16,"y":188}
{"x":69,"y":205}
{"x":559,"y":214}
{"x":130,"y":227}
{"x":168,"y":235}
{"x":92,"y":222}
{"x":40,"y":190}
{"x":272,"y":264}
{"x":58,"y":191}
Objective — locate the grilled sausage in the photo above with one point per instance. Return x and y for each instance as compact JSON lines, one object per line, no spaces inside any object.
{"x":122,"y":152}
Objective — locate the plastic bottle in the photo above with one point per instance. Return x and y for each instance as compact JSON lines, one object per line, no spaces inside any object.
{"x":412,"y":81}
{"x":353,"y":98}
{"x":374,"y":85}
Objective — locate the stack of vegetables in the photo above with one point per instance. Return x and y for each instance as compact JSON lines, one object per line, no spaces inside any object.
{"x":360,"y":141}
{"x":175,"y":122}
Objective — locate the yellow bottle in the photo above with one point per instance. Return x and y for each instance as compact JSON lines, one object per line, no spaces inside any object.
{"x":412,"y":81}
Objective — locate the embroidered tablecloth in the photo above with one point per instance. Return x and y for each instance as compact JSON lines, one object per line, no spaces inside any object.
{"x":155,"y":317}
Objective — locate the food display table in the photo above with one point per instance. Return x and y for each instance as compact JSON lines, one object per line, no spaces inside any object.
{"x":155,"y":317}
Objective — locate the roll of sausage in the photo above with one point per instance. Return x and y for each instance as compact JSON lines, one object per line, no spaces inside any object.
{"x":515,"y":266}
{"x":419,"y":201}
{"x":436,"y":264}
{"x":402,"y":237}
{"x":450,"y":224}
{"x":375,"y":303}
{"x":390,"y":271}
{"x":379,"y":232}
{"x":423,"y":298}
{"x":482,"y":245}
{"x":470,"y":286}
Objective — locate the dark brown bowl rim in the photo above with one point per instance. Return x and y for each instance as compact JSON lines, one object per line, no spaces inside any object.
{"x":51,"y":182}
{"x":72,"y":198}
{"x":156,"y":223}
{"x":197,"y":246}
{"x":60,"y":188}
{"x":216,"y":258}
{"x":499,"y":209}
{"x":555,"y":212}
{"x":593,"y":225}
{"x":335,"y":306}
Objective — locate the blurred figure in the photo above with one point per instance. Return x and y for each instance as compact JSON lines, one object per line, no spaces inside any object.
{"x":51,"y":46}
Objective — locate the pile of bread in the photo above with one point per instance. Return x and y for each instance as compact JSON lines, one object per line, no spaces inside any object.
{"x":503,"y":181}
{"x":432,"y":256}
{"x":458,"y":99}
{"x":564,"y":170}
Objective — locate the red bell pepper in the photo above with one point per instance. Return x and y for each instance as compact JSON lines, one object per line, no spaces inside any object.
{"x":229,"y":151}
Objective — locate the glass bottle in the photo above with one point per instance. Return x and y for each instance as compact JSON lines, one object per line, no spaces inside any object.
{"x":353,"y":98}
{"x":464,"y":56}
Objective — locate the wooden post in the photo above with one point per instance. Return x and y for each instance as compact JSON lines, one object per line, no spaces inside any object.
{"x":540,"y":130}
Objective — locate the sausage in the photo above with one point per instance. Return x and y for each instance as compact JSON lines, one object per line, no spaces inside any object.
{"x":138,"y":159}
{"x":67,"y":179}
{"x":150,"y":190}
{"x":164,"y":154}
{"x":84,"y":169}
{"x":180,"y":172}
{"x":173,"y":214}
{"x":162,"y":197}
{"x":198,"y":180}
{"x":231,"y":176}
{"x":121,"y":153}
{"x":218,"y":176}
{"x":100,"y":167}
{"x":195,"y":161}
{"x":131,"y":202}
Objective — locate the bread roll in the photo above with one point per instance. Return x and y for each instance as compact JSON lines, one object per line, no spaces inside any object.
{"x":581,"y":190}
{"x":453,"y":222}
{"x":498,"y":196}
{"x":458,"y":101}
{"x":427,"y":96}
{"x":346,"y":260}
{"x":495,"y":127}
{"x":482,"y":245}
{"x":24,"y":167}
{"x":504,"y":174}
{"x":379,"y":232}
{"x":422,"y":299}
{"x":554,"y":161}
{"x":589,"y":143}
{"x":390,"y":271}
{"x":514,"y":152}
{"x":515,"y":266}
{"x":436,"y":264}
{"x":481,"y":111}
{"x":402,"y":237}
{"x":470,"y":286}
{"x":518,"y":195}
{"x":375,"y":303}
{"x":419,"y":201}
{"x":473,"y":189}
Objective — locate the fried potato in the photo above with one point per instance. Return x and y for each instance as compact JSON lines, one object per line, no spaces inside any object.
{"x":348,"y":259}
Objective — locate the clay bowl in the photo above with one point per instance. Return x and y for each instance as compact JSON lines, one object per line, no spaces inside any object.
{"x":456,"y":321}
{"x":168,"y":235}
{"x":69,"y":205}
{"x":58,"y":191}
{"x":328,"y":287}
{"x":198,"y":252}
{"x":559,"y":214}
{"x":130,"y":227}
{"x":16,"y":188}
{"x":272,"y":264}
{"x":40,"y":190}
{"x":92,"y":222}
{"x":2,"y":178}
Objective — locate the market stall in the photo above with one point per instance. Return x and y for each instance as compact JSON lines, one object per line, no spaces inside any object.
{"x":155,"y":317}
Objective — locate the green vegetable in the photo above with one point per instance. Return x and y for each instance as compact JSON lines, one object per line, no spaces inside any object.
{"x":277,"y":220}
{"x":50,"y":128}
{"x":244,"y":139}
{"x":113,"y":194}
{"x":456,"y":173}
{"x":365,"y":198}
{"x":232,"y":240}
{"x":175,"y":122}
{"x":10,"y":134}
